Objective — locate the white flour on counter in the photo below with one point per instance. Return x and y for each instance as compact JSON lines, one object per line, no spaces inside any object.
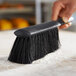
{"x":51,"y":59}
{"x":53,"y":64}
{"x":7,"y":65}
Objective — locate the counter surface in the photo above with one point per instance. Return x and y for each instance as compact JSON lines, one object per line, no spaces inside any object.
{"x":59,"y":63}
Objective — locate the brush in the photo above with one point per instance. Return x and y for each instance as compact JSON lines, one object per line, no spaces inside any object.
{"x":35,"y":42}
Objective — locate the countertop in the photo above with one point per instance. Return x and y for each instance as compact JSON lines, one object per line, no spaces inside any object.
{"x":59,"y":63}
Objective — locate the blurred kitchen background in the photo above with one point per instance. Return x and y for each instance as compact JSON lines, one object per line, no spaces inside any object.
{"x":16,"y":14}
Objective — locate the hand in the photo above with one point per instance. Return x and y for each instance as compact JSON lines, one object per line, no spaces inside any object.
{"x":63,"y":9}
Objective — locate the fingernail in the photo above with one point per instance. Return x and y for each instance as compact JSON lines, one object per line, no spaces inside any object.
{"x":65,"y":19}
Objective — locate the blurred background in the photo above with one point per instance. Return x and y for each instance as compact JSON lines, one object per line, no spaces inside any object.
{"x":16,"y":14}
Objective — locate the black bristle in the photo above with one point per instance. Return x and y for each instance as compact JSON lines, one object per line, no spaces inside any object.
{"x":28,"y":49}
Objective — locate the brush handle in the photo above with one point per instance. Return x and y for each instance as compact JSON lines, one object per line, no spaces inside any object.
{"x":32,"y":30}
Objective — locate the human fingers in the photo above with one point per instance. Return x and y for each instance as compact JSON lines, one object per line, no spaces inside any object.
{"x":57,"y":6}
{"x":65,"y":26}
{"x":67,"y":11}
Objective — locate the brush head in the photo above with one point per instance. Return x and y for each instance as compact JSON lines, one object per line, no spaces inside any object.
{"x":27,"y":49}
{"x":35,"y":42}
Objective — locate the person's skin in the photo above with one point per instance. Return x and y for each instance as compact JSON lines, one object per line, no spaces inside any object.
{"x":63,"y":8}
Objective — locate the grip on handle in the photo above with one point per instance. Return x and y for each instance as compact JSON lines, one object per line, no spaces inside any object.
{"x":63,"y":21}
